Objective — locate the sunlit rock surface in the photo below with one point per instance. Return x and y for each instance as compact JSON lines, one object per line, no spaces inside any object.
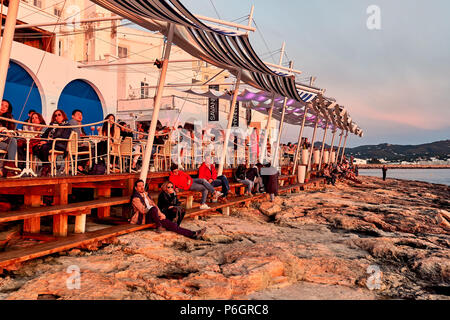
{"x":377,"y":240}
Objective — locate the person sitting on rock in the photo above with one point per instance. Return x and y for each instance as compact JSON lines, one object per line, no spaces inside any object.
{"x":184,"y":181}
{"x":145,"y":211}
{"x":169,"y":204}
{"x":208,"y":172}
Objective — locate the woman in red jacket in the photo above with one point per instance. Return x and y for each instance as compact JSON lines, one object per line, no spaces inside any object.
{"x":184,"y":181}
{"x":208,"y":172}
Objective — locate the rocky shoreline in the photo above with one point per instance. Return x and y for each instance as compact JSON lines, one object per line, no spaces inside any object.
{"x":379,"y":240}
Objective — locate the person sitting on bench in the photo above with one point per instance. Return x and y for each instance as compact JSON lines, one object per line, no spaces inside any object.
{"x":146,"y":212}
{"x":253,"y":175}
{"x":169,"y":204}
{"x":184,"y":181}
{"x":240,"y":175}
{"x":208,"y":172}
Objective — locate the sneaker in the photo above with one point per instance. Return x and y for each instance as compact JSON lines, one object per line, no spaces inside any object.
{"x":218,"y":194}
{"x":199,"y":234}
{"x":204,"y":207}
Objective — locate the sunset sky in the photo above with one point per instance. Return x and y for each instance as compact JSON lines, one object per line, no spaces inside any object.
{"x":394,"y":81}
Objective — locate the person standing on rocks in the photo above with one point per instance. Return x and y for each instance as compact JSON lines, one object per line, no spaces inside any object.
{"x":270,"y":179}
{"x":384,"y":169}
{"x":146,"y":212}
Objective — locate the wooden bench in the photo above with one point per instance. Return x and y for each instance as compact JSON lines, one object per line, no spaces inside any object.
{"x":189,"y":195}
{"x":287,"y":178}
{"x":79,"y":210}
{"x":7,"y":259}
{"x":313,"y":183}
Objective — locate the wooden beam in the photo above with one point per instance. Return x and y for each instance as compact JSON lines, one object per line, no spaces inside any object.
{"x":104,"y":212}
{"x":32,"y":225}
{"x":66,"y":243}
{"x":60,"y":220}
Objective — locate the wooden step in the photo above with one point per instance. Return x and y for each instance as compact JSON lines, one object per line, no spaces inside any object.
{"x":61,"y":209}
{"x":66,"y":243}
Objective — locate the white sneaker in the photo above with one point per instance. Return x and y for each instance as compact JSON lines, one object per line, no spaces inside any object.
{"x":204,"y":207}
{"x":218,"y":194}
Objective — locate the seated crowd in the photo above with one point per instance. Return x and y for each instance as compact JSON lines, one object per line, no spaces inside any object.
{"x":13,"y":144}
{"x":340,"y":171}
{"x":169,"y":213}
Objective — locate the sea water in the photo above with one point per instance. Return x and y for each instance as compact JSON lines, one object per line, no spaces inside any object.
{"x":440,"y":176}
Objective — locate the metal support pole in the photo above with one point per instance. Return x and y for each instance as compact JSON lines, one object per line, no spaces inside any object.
{"x":297,"y":153}
{"x":339,"y":148}
{"x":332,"y":145}
{"x":157,"y":105}
{"x":276,"y":155}
{"x":262,"y":155}
{"x":269,"y":119}
{"x":312,"y":142}
{"x":108,"y":148}
{"x":343,"y":149}
{"x":230,"y":121}
{"x":323,"y":144}
{"x":8,"y":37}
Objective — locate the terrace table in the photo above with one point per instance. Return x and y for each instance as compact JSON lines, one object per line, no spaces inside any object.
{"x":28,"y":135}
{"x":96,"y":140}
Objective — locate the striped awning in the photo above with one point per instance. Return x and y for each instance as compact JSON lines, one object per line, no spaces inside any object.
{"x":223,"y":48}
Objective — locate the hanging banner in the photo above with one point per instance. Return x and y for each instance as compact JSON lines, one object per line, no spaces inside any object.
{"x":213,"y":106}
{"x":248,"y":114}
{"x":236,"y":116}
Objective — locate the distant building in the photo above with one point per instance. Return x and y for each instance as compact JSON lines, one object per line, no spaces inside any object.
{"x":359,"y":161}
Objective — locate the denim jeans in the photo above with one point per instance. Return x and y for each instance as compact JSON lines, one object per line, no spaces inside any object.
{"x":203,"y":186}
{"x":10,"y":145}
{"x":248,"y":184}
{"x":222,"y":181}
{"x":169,"y":225}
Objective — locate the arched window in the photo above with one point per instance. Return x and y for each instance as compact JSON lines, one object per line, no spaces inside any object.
{"x":22,"y":92}
{"x":79,"y":94}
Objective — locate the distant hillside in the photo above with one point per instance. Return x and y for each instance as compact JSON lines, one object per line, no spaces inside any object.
{"x":392,"y":152}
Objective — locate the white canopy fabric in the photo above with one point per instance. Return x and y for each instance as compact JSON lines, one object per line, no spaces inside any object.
{"x":261,"y":101}
{"x":223,"y":48}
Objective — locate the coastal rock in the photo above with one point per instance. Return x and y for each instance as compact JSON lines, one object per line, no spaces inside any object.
{"x":269,"y":209}
{"x":327,"y":240}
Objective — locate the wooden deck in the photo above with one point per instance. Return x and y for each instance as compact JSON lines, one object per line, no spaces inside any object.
{"x":33,"y":189}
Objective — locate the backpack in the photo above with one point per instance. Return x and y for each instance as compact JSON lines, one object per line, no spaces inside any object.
{"x":98,"y":169}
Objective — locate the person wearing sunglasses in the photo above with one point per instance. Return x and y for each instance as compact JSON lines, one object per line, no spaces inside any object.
{"x":42,"y":150}
{"x":169,"y":204}
{"x":146,"y":212}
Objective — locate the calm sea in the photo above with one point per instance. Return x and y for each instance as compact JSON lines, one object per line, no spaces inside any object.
{"x":441,"y":176}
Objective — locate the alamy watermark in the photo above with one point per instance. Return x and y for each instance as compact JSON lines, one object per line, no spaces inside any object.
{"x":374,"y":19}
{"x":374,"y":280}
{"x":73,"y":282}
